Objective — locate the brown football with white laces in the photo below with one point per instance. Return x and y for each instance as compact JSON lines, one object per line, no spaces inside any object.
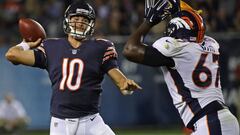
{"x":31,"y":30}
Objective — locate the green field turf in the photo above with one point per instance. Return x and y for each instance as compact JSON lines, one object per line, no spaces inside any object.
{"x":154,"y":132}
{"x":126,"y":132}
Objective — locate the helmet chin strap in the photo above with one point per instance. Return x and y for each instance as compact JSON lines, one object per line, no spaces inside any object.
{"x":78,"y":34}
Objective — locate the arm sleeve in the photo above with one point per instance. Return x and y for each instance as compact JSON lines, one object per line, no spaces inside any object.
{"x":109,"y":58}
{"x":153,"y":57}
{"x":40,"y":58}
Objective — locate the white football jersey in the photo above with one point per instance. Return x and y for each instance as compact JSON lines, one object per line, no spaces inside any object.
{"x":194,"y":82}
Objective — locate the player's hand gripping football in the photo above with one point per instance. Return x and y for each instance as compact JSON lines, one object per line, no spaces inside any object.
{"x":34,"y":44}
{"x":129,"y":86}
{"x":157,"y":11}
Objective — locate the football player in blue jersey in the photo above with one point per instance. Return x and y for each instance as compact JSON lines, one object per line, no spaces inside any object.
{"x":189,"y":62}
{"x":76,"y":67}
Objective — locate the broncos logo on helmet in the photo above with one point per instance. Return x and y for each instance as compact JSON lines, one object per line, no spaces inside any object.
{"x":79,"y":8}
{"x":187,"y":24}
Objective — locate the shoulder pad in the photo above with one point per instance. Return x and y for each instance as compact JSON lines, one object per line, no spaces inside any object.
{"x":168,"y":46}
{"x":210,"y":42}
{"x":105,"y":41}
{"x":50,"y":41}
{"x":210,"y":39}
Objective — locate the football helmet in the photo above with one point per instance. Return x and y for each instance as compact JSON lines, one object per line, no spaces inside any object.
{"x":79,"y":8}
{"x":186,"y":24}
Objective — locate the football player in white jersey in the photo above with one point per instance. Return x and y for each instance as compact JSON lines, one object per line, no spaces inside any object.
{"x":189,"y":62}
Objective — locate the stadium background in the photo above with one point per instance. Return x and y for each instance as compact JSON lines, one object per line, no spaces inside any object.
{"x":149,"y":109}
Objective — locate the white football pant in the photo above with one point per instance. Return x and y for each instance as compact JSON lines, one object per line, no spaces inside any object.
{"x":222,"y":122}
{"x":88,"y":125}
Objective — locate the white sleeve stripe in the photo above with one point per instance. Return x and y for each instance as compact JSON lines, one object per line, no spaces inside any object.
{"x":41,"y":49}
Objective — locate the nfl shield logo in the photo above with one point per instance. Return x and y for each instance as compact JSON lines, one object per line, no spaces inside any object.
{"x":74,"y":51}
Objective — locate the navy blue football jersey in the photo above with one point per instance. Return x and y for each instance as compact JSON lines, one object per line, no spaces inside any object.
{"x":76,"y":74}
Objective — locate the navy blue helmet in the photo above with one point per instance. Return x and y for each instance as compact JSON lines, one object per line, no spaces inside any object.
{"x":79,"y":8}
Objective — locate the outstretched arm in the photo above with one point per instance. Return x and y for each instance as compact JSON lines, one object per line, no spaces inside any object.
{"x":125,"y":85}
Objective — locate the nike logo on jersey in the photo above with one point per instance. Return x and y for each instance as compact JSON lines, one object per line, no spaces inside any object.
{"x":166,"y":46}
{"x":168,"y":41}
{"x":93,"y":118}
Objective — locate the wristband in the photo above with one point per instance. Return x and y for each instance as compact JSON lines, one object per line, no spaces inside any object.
{"x":24,"y":45}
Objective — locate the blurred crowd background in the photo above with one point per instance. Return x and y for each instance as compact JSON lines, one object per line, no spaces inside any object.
{"x":116,"y":19}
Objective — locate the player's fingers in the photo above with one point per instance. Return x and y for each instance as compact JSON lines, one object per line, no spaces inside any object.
{"x":152,"y":3}
{"x":38,"y":41}
{"x":133,"y":85}
{"x":124,"y":86}
{"x":127,"y":85}
{"x":147,"y":4}
{"x":138,"y":87}
{"x":35,"y":43}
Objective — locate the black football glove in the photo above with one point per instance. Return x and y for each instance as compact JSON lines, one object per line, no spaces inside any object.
{"x":174,"y":6}
{"x":155,"y":11}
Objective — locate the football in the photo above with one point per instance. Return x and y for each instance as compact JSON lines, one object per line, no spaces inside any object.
{"x":31,"y":30}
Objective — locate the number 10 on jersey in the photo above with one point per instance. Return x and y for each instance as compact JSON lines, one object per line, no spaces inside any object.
{"x":68,"y":70}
